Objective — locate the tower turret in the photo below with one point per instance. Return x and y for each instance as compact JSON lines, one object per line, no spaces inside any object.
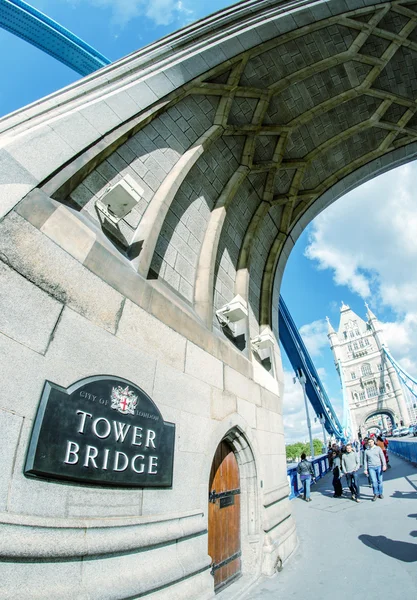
{"x":334,"y":342}
{"x":376,"y":327}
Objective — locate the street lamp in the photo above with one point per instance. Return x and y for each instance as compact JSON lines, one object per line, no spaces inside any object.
{"x":302,"y":379}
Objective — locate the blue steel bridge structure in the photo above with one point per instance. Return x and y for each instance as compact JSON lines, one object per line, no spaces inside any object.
{"x":41,"y":31}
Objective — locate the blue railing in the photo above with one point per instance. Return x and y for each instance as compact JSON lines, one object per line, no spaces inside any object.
{"x":320,"y":466}
{"x":407,"y":450}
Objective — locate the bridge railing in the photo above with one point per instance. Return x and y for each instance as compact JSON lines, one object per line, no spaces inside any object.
{"x":407,"y":450}
{"x":320,"y":466}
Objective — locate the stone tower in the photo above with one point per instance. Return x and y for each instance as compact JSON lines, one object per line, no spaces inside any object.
{"x":372,"y":386}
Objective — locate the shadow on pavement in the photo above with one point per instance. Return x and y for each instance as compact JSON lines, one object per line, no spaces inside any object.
{"x":407,"y":495}
{"x":400,"y":550}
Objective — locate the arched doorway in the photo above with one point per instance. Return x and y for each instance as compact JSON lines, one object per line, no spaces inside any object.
{"x":383,"y":420}
{"x":224,"y":517}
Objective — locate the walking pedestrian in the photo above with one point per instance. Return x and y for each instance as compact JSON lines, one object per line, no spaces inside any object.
{"x":306,"y":472}
{"x":337,"y":484}
{"x":375,"y":463}
{"x":364,"y":447}
{"x":383,"y":445}
{"x":350,"y":467}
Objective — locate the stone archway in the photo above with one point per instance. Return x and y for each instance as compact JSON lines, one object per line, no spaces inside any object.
{"x":374,"y":413}
{"x":230,"y":136}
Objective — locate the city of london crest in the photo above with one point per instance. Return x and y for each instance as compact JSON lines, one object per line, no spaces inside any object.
{"x":123,"y":400}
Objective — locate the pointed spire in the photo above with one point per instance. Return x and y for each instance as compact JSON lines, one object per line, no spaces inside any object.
{"x":369,"y":312}
{"x":329,"y":326}
{"x":344,"y":307}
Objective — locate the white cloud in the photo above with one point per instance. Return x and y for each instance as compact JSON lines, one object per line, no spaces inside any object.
{"x":369,"y":240}
{"x":161,"y":12}
{"x":315,"y":336}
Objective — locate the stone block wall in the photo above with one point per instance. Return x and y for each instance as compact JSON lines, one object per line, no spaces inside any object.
{"x":61,"y":322}
{"x":148,"y":156}
{"x":178,"y":247}
{"x":237,"y":220}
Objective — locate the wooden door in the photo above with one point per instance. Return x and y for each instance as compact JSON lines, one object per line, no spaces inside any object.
{"x":224,"y":517}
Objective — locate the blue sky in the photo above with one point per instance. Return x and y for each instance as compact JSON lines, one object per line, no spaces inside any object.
{"x":114,"y":27}
{"x":362,"y":248}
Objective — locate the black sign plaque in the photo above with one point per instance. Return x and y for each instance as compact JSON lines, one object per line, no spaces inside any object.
{"x":102,"y":430}
{"x":227,"y":501}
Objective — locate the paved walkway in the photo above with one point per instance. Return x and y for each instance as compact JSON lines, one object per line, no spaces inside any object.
{"x":348,"y":549}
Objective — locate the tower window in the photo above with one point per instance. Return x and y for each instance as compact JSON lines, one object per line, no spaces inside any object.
{"x":361,"y":395}
{"x":371,"y":391}
{"x":379,"y":367}
{"x":366,"y":342}
{"x":357,"y":332}
{"x":350,"y":347}
{"x":352,"y":375}
{"x":351,"y":334}
{"x":345,"y":335}
{"x":366,"y":369}
{"x":361,"y":344}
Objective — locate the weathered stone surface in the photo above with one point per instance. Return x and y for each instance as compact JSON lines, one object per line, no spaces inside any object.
{"x":193,"y":433}
{"x":30,"y":253}
{"x":248,"y":411}
{"x":22,"y":374}
{"x":15,"y":182}
{"x":39,"y":155}
{"x":204,"y":366}
{"x":188,"y":470}
{"x":27,"y":315}
{"x":138,"y":328}
{"x":181,"y":391}
{"x":68,"y":231}
{"x":267,"y":420}
{"x":46,"y":499}
{"x":95,"y":351}
{"x":10,"y":426}
{"x":222,"y":404}
{"x":240,"y":385}
{"x":24,"y":580}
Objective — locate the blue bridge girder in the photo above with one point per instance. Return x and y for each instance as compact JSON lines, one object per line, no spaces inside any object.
{"x":34,"y":27}
{"x":300,"y":359}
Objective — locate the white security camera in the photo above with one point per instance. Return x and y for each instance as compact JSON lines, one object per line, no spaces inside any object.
{"x":119,"y":199}
{"x":233,"y":315}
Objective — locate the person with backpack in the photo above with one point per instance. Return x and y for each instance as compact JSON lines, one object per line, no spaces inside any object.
{"x":306,"y":473}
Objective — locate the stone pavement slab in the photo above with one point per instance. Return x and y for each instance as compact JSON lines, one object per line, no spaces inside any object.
{"x":348,"y":549}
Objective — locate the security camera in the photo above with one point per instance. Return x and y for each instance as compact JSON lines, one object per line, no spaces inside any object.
{"x":233,"y":314}
{"x":263,"y":343}
{"x":118,"y":200}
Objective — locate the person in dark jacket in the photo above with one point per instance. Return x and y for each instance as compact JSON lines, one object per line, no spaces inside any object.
{"x":336,"y":467}
{"x":306,"y":472}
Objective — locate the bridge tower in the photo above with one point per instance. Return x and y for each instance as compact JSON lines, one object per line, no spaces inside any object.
{"x":372,"y":385}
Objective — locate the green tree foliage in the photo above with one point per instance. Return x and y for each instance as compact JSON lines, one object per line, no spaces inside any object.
{"x":294,"y":451}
